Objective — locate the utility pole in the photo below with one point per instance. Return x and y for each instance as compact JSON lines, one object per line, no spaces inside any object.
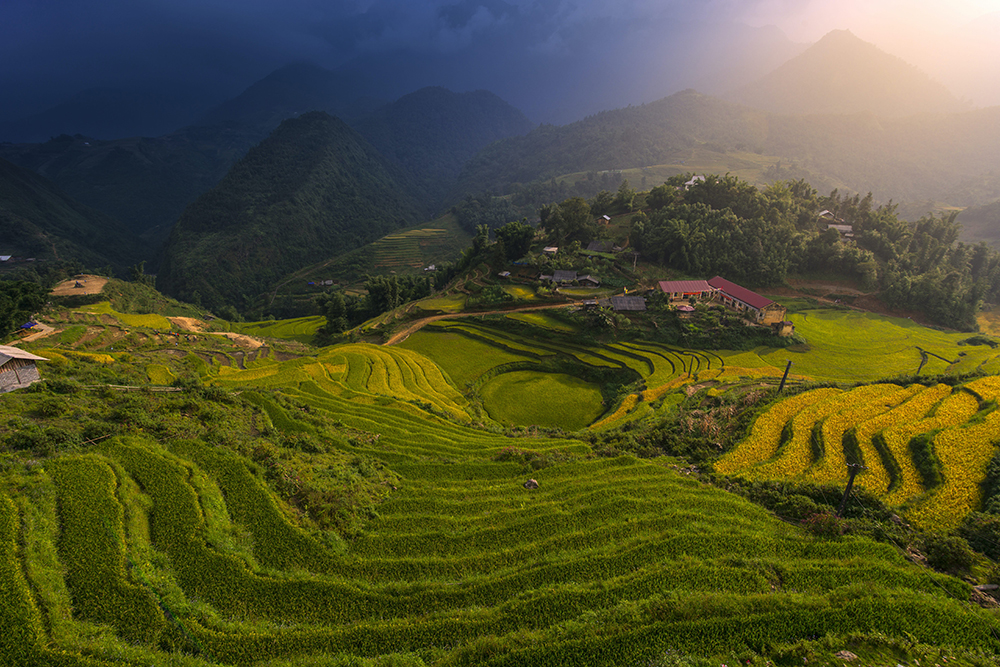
{"x":853,"y":469}
{"x":785,"y":376}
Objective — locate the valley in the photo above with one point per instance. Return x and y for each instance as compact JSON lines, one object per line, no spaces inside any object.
{"x":334,"y":377}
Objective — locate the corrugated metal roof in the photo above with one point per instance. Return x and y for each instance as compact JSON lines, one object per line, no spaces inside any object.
{"x":628,"y":303}
{"x":685,"y":286}
{"x":733,"y":290}
{"x":7,"y":352}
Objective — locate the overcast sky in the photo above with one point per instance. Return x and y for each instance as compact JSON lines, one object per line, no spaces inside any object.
{"x":52,"y":49}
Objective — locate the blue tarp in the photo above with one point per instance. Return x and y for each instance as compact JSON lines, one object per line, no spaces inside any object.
{"x":28,"y":325}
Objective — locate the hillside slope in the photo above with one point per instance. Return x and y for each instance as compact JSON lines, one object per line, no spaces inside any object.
{"x":143,"y":182}
{"x":433,"y":132}
{"x":38,"y":220}
{"x":312,"y":189}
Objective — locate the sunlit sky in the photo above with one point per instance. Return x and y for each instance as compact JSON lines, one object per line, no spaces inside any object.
{"x":55,"y":48}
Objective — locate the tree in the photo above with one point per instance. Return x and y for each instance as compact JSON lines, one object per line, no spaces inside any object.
{"x":19,"y":301}
{"x":516,"y":237}
{"x":625,"y":197}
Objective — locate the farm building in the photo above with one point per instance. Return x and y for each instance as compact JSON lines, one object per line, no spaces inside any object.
{"x":846,"y":231}
{"x":630,"y":303}
{"x":600,"y":246}
{"x":687,"y":289}
{"x":761,"y":309}
{"x":17,"y":368}
{"x":564,"y":277}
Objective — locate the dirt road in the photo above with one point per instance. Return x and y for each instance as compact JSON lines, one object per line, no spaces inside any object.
{"x":421,"y":323}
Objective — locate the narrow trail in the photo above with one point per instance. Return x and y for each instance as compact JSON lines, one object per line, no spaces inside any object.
{"x":421,"y":323}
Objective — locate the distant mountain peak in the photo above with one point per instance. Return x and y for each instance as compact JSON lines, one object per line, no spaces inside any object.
{"x":843,"y":74}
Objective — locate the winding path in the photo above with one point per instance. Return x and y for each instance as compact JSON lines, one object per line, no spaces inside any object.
{"x":421,"y":323}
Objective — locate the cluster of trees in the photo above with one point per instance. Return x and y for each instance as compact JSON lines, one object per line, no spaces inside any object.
{"x":19,"y":301}
{"x":726,"y":226}
{"x":484,"y":209}
{"x":384,"y":293}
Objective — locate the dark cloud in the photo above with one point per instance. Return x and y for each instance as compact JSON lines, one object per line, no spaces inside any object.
{"x":53,"y":49}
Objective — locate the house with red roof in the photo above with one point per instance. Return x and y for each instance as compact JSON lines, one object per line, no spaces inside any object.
{"x":682,"y":290}
{"x":760,"y":309}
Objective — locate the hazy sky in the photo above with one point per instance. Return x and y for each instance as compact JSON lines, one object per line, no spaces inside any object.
{"x":52,"y":49}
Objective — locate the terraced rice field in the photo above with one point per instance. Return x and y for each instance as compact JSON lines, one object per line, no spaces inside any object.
{"x":115,"y":556}
{"x":463,"y":565}
{"x":814,"y":435}
{"x":151,"y":321}
{"x":542,"y":399}
{"x":407,"y":249}
{"x":854,"y":346}
{"x":302,"y":329}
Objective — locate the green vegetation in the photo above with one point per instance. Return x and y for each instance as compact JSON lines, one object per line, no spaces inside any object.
{"x":543,"y":399}
{"x":364,"y":504}
{"x":223,"y":250}
{"x":38,"y":221}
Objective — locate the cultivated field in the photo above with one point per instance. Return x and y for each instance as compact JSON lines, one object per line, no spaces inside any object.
{"x":179,"y":534}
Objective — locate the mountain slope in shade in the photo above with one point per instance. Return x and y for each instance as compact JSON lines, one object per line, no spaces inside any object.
{"x":313,"y":189}
{"x":143,"y":182}
{"x":433,"y":132}
{"x":110,"y":113}
{"x":288,"y":92}
{"x":842,"y":74}
{"x":37,"y":220}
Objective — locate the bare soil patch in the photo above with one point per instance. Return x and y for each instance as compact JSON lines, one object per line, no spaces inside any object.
{"x":188,"y":324}
{"x":89,"y":284}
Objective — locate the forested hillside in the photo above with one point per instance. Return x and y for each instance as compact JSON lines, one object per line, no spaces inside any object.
{"x":38,"y":220}
{"x":313,"y":189}
{"x":142,"y":182}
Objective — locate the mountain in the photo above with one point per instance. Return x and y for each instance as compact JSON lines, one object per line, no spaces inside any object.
{"x":948,"y":157}
{"x":289,"y":91}
{"x":313,"y":189}
{"x":110,"y":113}
{"x":433,"y":132}
{"x":842,"y":74}
{"x":141,"y":181}
{"x":38,"y":220}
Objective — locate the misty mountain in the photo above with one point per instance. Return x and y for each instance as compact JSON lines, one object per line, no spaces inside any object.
{"x":290,"y":91}
{"x":433,"y":132}
{"x":842,"y":74}
{"x":947,"y":157}
{"x":313,"y":189}
{"x":142,"y":182}
{"x":37,"y":220}
{"x":110,"y":113}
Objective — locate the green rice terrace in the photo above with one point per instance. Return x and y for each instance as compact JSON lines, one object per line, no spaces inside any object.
{"x":497,"y":490}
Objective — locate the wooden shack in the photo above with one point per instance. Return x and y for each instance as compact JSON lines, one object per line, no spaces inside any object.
{"x":17,"y":368}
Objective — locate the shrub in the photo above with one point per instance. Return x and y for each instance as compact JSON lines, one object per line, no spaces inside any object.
{"x":948,"y":553}
{"x":797,"y":508}
{"x":982,"y":532}
{"x":824,"y":524}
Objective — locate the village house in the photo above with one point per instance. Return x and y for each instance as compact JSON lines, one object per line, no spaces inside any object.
{"x":17,"y":368}
{"x":564,"y":277}
{"x":760,"y":309}
{"x":682,"y":290}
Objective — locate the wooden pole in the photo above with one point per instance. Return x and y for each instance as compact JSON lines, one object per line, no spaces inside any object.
{"x":785,"y":376}
{"x":853,"y":469}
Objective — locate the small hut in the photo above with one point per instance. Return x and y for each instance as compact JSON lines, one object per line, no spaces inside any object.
{"x":17,"y":368}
